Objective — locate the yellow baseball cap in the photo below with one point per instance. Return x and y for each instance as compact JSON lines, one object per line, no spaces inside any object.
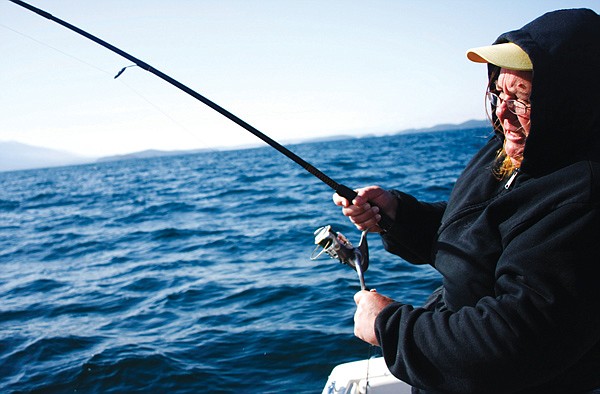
{"x":507,"y":55}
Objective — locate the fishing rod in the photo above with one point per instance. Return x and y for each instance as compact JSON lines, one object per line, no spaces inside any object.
{"x":385,"y":223}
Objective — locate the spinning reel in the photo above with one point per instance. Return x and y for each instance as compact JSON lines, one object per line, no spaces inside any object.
{"x":337,"y":246}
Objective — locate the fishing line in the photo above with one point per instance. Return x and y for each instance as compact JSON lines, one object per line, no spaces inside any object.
{"x":196,"y":136}
{"x":54,"y":48}
{"x":385,"y":223}
{"x":359,"y":256}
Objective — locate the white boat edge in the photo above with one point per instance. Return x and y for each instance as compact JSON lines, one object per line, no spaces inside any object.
{"x":370,"y":376}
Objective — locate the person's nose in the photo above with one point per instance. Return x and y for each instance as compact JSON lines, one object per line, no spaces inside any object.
{"x":502,"y":110}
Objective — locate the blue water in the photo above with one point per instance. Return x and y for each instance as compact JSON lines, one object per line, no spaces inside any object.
{"x":192,"y":274}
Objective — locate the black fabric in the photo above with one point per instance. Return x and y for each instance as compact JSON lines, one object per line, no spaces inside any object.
{"x":520,"y":306}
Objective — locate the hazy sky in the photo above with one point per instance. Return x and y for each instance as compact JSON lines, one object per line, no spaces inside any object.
{"x":293,"y":69}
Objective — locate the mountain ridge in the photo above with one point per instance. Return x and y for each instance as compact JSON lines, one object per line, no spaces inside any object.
{"x":17,"y":156}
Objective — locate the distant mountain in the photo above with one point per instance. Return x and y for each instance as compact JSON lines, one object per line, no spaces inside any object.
{"x":150,"y":153}
{"x":470,"y":124}
{"x":17,"y":156}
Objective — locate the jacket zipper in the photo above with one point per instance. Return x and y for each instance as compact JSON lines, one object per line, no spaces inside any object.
{"x":511,"y":179}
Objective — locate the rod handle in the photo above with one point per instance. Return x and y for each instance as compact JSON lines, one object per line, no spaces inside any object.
{"x":385,"y":223}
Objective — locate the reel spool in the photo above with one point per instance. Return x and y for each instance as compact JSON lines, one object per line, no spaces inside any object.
{"x":338,"y":247}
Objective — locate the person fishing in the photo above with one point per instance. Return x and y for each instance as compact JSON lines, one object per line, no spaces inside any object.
{"x":518,"y":241}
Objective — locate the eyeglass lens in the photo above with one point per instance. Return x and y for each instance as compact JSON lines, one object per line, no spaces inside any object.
{"x":513,"y":106}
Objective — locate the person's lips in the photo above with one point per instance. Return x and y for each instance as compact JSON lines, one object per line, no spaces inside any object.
{"x":513,"y":133}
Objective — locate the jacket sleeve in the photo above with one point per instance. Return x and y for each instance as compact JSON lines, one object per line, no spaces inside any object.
{"x":543,"y":318}
{"x":414,"y":230}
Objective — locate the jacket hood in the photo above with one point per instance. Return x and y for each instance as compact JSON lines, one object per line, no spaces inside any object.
{"x":564,"y":47}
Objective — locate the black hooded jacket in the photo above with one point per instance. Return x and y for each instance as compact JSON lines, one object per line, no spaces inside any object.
{"x":520,"y":306}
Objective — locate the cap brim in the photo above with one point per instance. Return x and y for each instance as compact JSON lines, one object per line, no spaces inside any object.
{"x":507,"y":55}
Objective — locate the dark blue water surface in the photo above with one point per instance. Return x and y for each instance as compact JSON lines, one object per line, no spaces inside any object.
{"x":192,"y":273}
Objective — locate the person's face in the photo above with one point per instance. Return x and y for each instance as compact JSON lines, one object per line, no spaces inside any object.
{"x":514,"y":85}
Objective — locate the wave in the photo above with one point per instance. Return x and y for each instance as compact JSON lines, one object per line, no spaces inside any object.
{"x":192,"y":273}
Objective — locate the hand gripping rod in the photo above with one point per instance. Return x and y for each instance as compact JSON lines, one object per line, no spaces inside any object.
{"x":385,"y":223}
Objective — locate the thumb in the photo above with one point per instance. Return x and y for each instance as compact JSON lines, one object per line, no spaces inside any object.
{"x":359,"y":295}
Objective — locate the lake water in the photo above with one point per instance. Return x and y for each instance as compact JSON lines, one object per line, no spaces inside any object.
{"x":192,"y":274}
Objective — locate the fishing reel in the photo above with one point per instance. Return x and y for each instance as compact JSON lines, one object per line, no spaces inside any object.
{"x":337,"y":246}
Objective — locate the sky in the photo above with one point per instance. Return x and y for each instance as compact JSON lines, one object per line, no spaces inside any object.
{"x":294,"y":69}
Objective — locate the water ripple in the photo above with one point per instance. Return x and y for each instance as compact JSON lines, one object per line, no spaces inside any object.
{"x":191,"y":273}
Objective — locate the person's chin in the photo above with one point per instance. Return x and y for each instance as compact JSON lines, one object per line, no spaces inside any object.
{"x":514,"y":151}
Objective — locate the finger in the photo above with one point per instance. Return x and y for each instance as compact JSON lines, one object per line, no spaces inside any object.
{"x":375,"y":194}
{"x":366,"y":217}
{"x":369,"y":193}
{"x":362,"y":196}
{"x":354,"y":210}
{"x":360,"y":200}
{"x":370,"y":225}
{"x":340,"y":201}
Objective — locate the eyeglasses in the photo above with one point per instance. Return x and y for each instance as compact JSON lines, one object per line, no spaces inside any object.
{"x":515,"y":106}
